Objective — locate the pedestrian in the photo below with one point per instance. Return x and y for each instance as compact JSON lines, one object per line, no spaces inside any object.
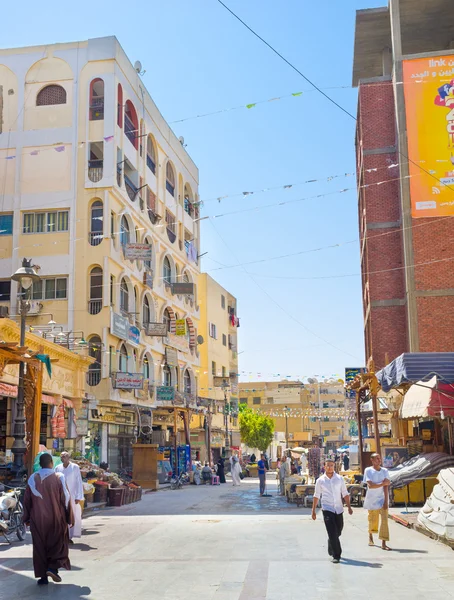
{"x":303,"y":460}
{"x":346,"y":461}
{"x":47,"y":510}
{"x":236,"y":470}
{"x":377,"y":500}
{"x":262,"y":473}
{"x":73,"y":479}
{"x":206,"y":473}
{"x":220,"y":470}
{"x":253,"y":458}
{"x":331,"y":488}
{"x":284,"y":472}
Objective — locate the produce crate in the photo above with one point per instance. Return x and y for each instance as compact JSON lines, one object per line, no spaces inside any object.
{"x":116,"y":496}
{"x":101,"y":493}
{"x":139,"y":494}
{"x":89,"y":498}
{"x":127,"y":496}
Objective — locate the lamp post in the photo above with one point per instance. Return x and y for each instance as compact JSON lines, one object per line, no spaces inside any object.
{"x":25,"y":276}
{"x":286,"y":411}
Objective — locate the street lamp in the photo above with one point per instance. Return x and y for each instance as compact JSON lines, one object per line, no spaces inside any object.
{"x":25,"y":277}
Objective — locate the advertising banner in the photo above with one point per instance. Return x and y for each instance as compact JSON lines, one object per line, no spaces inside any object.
{"x":128,"y":381}
{"x":429,"y":105}
{"x":180,"y":328}
{"x":350,"y":374}
{"x":119,"y":326}
{"x":137,"y":251}
{"x":171,"y":357}
{"x":165,"y":393}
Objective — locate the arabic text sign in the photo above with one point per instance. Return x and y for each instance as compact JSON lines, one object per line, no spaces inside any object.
{"x":180,"y":328}
{"x":119,"y":326}
{"x":128,"y":381}
{"x":183,"y":288}
{"x":135,"y":251}
{"x":165,"y":393}
{"x":156,"y":329}
{"x":429,"y":104}
{"x":171,"y":357}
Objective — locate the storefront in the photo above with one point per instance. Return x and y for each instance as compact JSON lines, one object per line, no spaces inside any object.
{"x":111,"y":433}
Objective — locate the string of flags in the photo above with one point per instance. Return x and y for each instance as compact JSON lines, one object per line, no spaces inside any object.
{"x":58,"y":148}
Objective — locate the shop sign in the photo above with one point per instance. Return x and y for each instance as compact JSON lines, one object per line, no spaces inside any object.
{"x":165,"y":393}
{"x":134,"y":335}
{"x":180,"y":328}
{"x":177,"y":342}
{"x":350,"y":374}
{"x":221,"y":382}
{"x":183,"y":287}
{"x":119,"y":326}
{"x":156,"y":329}
{"x":128,"y":381}
{"x":172,"y":357}
{"x":217,"y":440}
{"x":82,"y":421}
{"x":135,"y":251}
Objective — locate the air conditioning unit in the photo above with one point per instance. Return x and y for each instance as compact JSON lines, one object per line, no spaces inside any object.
{"x":35,"y":307}
{"x":3,"y":312}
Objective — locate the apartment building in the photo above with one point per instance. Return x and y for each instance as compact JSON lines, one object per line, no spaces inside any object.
{"x":101,"y":194}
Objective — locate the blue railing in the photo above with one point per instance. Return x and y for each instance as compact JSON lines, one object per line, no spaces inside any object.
{"x":151,"y":164}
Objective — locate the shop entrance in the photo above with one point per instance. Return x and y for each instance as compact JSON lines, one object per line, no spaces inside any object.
{"x":121,"y":438}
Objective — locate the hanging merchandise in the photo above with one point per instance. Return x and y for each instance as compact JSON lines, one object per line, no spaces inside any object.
{"x":314,"y":462}
{"x":58,"y":423}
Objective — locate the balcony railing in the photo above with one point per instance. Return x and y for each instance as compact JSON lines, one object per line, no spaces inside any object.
{"x":189,"y":207}
{"x":130,"y":188}
{"x":95,"y":168}
{"x":97,"y":108}
{"x":151,"y":164}
{"x":95,"y":306}
{"x":95,"y":238}
{"x":130,"y":131}
{"x":93,"y":377}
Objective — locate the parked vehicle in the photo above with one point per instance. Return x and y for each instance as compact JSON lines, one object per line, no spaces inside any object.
{"x":178,"y":482}
{"x":11,"y":514}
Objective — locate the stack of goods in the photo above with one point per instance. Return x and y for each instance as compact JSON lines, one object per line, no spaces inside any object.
{"x":101,"y":488}
{"x":89,"y":492}
{"x":314,"y":462}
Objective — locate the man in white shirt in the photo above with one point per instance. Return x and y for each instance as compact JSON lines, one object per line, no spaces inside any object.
{"x":377,"y":497}
{"x":73,"y":479}
{"x":332,"y":490}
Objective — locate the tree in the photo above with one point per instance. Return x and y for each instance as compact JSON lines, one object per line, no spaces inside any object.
{"x":257,"y":431}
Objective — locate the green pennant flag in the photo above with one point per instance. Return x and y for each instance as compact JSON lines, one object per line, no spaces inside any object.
{"x":297,"y":94}
{"x":250,"y":105}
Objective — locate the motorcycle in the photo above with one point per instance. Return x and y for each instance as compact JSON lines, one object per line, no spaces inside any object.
{"x":178,"y":482}
{"x":11,"y":514}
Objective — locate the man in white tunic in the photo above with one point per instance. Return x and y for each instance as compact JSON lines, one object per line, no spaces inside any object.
{"x":73,"y":479}
{"x":377,"y":496}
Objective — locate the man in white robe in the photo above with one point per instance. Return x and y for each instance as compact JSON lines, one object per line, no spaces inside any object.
{"x":73,"y":479}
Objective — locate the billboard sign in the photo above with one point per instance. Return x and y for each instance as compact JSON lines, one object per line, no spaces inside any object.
{"x":350,"y":374}
{"x":135,"y":251}
{"x":429,"y":104}
{"x":128,"y":381}
{"x":183,"y":288}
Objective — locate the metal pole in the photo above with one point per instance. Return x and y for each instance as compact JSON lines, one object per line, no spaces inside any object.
{"x":360,"y":433}
{"x":175,"y":439}
{"x":209,"y":433}
{"x":375,"y":415}
{"x":19,"y":447}
{"x":286,"y":426}
{"x":226,"y":416}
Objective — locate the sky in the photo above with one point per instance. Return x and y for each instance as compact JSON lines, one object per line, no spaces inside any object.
{"x":300,"y":316}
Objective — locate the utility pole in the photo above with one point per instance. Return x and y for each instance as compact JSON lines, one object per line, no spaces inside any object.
{"x":226,"y":423}
{"x":286,"y":425}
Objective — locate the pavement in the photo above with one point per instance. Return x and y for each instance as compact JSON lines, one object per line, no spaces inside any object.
{"x":227,"y":543}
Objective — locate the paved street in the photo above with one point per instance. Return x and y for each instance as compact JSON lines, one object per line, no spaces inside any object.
{"x":227,"y":543}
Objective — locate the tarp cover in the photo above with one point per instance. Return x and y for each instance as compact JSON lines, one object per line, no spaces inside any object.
{"x":420,"y":467}
{"x":437,"y":514}
{"x":415,"y":366}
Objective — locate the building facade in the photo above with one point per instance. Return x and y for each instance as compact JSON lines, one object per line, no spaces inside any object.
{"x":101,"y":194}
{"x":404,"y":167}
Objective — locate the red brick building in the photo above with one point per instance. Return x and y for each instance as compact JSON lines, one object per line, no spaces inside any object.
{"x":407,"y":263}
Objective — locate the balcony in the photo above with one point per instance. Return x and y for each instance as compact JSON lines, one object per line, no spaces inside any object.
{"x":151,"y":164}
{"x":130,"y":131}
{"x":95,"y":238}
{"x":97,"y":108}
{"x":95,"y":306}
{"x":95,"y":169}
{"x":189,"y":207}
{"x":93,"y":377}
{"x":130,"y":188}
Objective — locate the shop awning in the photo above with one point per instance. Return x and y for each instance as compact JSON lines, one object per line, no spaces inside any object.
{"x":428,"y":399}
{"x":417,"y":366}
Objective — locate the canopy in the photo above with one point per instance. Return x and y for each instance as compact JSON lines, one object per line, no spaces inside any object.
{"x":415,"y":366}
{"x":420,"y":467}
{"x":428,"y":399}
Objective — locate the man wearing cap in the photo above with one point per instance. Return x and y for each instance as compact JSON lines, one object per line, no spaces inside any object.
{"x":331,"y":488}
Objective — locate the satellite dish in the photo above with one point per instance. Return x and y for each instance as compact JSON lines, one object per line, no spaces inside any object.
{"x":181,"y":140}
{"x":312,"y":380}
{"x":138,"y":66}
{"x":200,"y":339}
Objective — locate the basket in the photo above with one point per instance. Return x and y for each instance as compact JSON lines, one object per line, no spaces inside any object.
{"x":127,"y":495}
{"x":100,"y":493}
{"x":89,"y":498}
{"x":116,"y":496}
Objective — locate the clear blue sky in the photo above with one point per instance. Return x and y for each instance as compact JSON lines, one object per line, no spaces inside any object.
{"x":199,"y":59}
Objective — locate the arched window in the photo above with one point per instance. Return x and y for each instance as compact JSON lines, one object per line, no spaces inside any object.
{"x":125,"y":236}
{"x":97,"y":100}
{"x":131,"y":124}
{"x":170,"y":178}
{"x":124,"y":296}
{"x":146,"y":311}
{"x":51,"y":94}
{"x":188,"y":200}
{"x":147,"y":263}
{"x":123,"y":359}
{"x":94,"y":370}
{"x":96,"y":228}
{"x":146,"y":368}
{"x":120,"y":106}
{"x":151,"y":155}
{"x":166,"y":376}
{"x":187,"y":384}
{"x":141,"y":137}
{"x":167,"y":319}
{"x":167,"y":271}
{"x":95,"y":302}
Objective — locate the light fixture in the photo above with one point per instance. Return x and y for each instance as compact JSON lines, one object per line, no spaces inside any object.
{"x":83,"y":342}
{"x":26,"y":274}
{"x":52,"y":322}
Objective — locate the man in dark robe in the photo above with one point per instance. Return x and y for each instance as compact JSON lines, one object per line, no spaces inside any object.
{"x":47,"y":510}
{"x":220,"y":470}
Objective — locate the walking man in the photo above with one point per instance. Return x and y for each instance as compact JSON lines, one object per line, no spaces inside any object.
{"x":47,"y":510}
{"x":73,"y":479}
{"x":262,"y":473}
{"x":331,"y":488}
{"x":377,"y":500}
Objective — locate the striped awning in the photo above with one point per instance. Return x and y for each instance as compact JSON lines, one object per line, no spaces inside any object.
{"x":411,"y":367}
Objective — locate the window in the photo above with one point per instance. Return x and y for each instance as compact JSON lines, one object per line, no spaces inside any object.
{"x":95,"y":303}
{"x":6,"y":224}
{"x":170,"y":179}
{"x":131,"y":124}
{"x":94,"y":370}
{"x":54,"y":288}
{"x":212,"y":331}
{"x":112,"y":290}
{"x":256,"y":400}
{"x":224,"y":339}
{"x":123,"y":359}
{"x":326,"y":432}
{"x":97,"y":100}
{"x":124,"y":296}
{"x":45,"y":222}
{"x":5,"y":290}
{"x":187,"y":387}
{"x":96,"y":223}
{"x":222,"y":301}
{"x":147,"y":263}
{"x":125,"y":236}
{"x":51,"y":94}
{"x":111,"y":359}
{"x":120,"y":106}
{"x":146,"y":311}
{"x":224,"y":372}
{"x":167,"y":271}
{"x":146,"y":368}
{"x":243,"y":400}
{"x":166,"y":376}
{"x":151,"y":155}
{"x":270,"y":400}
{"x":213,"y":367}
